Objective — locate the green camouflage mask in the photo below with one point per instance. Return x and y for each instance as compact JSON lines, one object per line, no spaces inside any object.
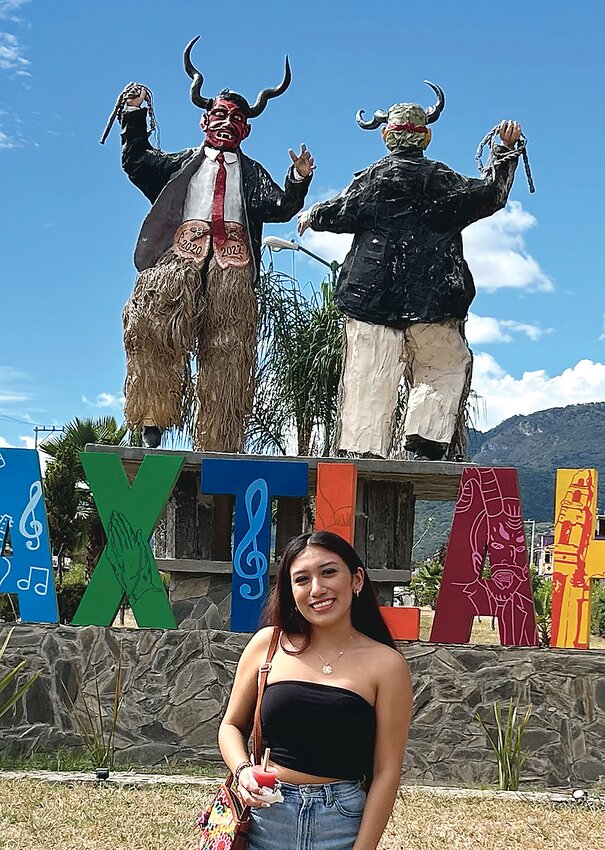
{"x":396,"y":135}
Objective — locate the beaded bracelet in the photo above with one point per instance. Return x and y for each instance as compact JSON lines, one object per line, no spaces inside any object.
{"x":239,"y":769}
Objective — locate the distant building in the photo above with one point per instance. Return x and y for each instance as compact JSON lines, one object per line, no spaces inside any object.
{"x":544,"y":554}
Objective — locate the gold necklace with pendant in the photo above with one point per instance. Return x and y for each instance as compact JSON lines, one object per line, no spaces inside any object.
{"x":327,"y":669}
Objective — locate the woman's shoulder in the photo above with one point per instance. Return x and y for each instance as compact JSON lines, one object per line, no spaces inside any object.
{"x":260,"y":641}
{"x":386,"y":659}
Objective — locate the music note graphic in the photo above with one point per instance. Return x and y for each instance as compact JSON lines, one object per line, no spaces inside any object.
{"x":255,"y":558}
{"x":2,"y":461}
{"x":34,"y":532}
{"x":41,"y":587}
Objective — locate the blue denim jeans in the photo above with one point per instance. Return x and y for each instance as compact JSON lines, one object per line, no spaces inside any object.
{"x":312,"y":817}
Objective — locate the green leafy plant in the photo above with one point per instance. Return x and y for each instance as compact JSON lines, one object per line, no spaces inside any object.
{"x":426,"y":582}
{"x":300,"y":336}
{"x":8,"y":678}
{"x":597,"y":606}
{"x":96,"y":726}
{"x":70,"y":591}
{"x":543,"y":606}
{"x":506,"y":742}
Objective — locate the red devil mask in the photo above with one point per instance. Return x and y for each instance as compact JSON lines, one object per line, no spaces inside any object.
{"x":225,"y":125}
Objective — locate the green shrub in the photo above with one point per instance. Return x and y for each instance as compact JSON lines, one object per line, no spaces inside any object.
{"x":597,"y":618}
{"x":70,"y":591}
{"x":426,"y":582}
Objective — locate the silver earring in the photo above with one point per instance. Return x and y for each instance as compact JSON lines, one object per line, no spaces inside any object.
{"x":357,"y":592}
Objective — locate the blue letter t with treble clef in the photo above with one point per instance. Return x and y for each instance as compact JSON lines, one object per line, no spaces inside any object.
{"x":254,"y":483}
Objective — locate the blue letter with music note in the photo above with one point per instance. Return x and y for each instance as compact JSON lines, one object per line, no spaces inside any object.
{"x":27,"y":571}
{"x":254,"y":483}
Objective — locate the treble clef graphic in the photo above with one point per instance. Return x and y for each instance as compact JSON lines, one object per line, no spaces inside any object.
{"x":255,"y":558}
{"x":34,"y":532}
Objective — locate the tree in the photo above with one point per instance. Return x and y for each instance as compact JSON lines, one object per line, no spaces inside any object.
{"x":299,"y":363}
{"x":72,"y":515}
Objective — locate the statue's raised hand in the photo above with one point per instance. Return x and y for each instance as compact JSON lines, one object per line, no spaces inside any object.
{"x":303,"y":161}
{"x":510,"y":132}
{"x":134,"y":94}
{"x":131,"y":559}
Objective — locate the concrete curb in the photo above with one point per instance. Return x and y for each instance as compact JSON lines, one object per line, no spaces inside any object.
{"x":142,"y":780}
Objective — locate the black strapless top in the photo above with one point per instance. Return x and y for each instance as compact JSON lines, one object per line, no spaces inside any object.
{"x":319,"y":729}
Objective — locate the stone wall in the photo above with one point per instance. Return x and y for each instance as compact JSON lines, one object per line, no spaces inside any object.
{"x":176,"y":684}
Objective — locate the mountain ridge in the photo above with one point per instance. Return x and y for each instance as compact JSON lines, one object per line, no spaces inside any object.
{"x":536,"y":445}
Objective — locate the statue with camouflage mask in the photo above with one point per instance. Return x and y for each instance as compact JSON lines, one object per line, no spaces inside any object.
{"x":405,"y":286}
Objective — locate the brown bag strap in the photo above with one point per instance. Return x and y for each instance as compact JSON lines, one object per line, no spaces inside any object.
{"x":263,"y":674}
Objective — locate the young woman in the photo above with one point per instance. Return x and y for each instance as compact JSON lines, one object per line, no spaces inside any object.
{"x":336,"y":709}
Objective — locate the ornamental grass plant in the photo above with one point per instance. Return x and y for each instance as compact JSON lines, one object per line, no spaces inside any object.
{"x":96,"y":725}
{"x":506,"y":742}
{"x":6,"y":681}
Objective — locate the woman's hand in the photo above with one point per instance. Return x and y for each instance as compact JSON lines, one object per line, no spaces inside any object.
{"x":250,"y":791}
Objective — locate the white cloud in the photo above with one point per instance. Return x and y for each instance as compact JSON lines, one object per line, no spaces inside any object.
{"x":7,"y":142}
{"x":503,"y":395}
{"x":105,"y":400}
{"x":497,"y":255}
{"x":481,"y":330}
{"x":11,"y":381}
{"x":11,"y":57}
{"x":9,"y":7}
{"x":27,"y":443}
{"x":330,"y":246}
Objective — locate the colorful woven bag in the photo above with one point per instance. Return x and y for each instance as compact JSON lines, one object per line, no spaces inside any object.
{"x":225,"y":823}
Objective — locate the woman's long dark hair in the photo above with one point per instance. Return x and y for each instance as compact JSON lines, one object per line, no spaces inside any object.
{"x":281,"y":610}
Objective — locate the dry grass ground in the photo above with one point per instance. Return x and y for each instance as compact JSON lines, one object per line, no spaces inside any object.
{"x":41,"y":816}
{"x":482,"y":631}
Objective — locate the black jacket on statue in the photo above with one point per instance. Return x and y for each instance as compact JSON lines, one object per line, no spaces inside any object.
{"x":407,"y":213}
{"x":164,"y":179}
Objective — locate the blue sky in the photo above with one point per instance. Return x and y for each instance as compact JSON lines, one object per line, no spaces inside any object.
{"x":70,"y":217}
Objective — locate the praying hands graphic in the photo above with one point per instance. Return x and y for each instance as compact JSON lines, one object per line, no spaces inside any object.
{"x":131,"y":559}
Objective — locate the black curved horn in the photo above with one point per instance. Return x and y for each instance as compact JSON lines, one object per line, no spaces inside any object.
{"x":266,"y":94}
{"x":379,"y":118}
{"x":196,"y":85}
{"x":433,"y":112}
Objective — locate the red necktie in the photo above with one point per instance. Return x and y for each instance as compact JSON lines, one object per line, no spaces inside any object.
{"x":218,"y":202}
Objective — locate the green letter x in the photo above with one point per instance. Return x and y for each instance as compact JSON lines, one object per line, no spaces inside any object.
{"x":129,"y":515}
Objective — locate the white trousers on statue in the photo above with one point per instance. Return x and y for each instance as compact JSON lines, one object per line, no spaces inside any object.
{"x":434,"y":358}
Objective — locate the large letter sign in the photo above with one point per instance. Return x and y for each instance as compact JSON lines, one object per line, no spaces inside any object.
{"x":27,"y":571}
{"x":578,"y":557}
{"x":129,"y":514}
{"x":253,"y":483}
{"x":487,"y":519}
{"x":335,"y":499}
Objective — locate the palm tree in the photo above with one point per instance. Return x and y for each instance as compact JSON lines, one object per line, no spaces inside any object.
{"x":72,"y":515}
{"x":299,"y":363}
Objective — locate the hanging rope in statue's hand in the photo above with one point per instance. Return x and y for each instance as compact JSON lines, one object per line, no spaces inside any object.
{"x":130,"y":91}
{"x":497,"y":157}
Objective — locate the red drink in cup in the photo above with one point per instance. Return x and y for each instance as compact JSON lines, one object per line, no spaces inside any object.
{"x":262,"y":775}
{"x":263,"y":778}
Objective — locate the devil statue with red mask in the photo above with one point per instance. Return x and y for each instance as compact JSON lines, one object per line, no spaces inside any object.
{"x":198,"y":258}
{"x":405,"y":286}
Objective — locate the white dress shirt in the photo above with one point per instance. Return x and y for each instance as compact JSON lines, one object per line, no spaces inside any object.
{"x":200,"y":192}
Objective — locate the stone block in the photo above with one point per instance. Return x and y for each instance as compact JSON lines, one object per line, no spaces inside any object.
{"x":188,"y":588}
